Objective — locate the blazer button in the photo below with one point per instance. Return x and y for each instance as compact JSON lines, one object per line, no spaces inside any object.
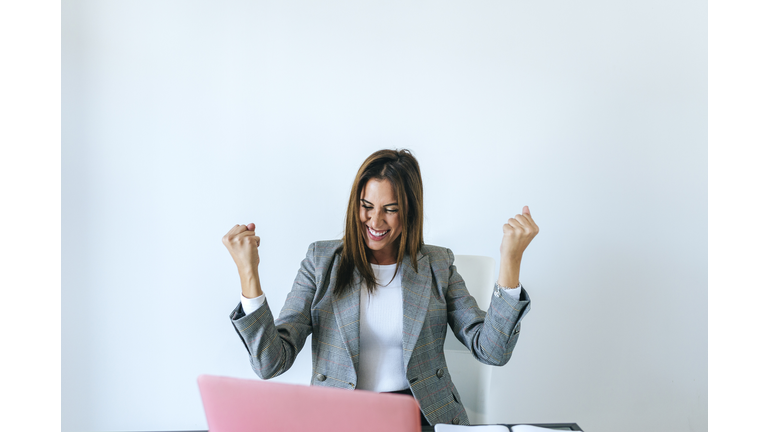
{"x":440,"y":373}
{"x":455,"y":421}
{"x":320,"y":377}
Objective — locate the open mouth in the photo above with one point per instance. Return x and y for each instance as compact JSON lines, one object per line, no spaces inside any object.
{"x":376,"y":235}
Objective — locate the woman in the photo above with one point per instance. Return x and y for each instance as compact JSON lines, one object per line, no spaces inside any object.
{"x":379,"y":300}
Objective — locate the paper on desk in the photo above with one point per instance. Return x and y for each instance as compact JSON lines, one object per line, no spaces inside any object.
{"x":440,"y":427}
{"x":529,"y":428}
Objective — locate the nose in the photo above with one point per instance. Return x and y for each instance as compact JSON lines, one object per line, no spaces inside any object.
{"x":377,"y":219}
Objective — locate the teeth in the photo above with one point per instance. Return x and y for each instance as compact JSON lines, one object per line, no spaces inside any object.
{"x":377,"y":233}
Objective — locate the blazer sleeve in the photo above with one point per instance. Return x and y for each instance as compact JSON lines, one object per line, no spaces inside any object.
{"x":274,"y":344}
{"x":491,"y":336}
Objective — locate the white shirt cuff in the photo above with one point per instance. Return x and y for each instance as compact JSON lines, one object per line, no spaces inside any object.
{"x":251,"y":304}
{"x":514,"y":292}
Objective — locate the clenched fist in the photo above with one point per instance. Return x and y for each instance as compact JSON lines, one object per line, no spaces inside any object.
{"x":243,"y":244}
{"x":518,"y":233}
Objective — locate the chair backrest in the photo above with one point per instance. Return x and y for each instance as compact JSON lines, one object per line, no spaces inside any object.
{"x":472,"y":378}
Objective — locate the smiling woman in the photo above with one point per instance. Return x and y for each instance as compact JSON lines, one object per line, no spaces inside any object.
{"x":379,"y":301}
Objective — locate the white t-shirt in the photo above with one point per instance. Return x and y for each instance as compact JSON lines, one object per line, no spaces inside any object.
{"x":381,"y":365}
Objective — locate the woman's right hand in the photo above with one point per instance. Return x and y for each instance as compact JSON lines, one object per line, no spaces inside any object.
{"x":243,"y":244}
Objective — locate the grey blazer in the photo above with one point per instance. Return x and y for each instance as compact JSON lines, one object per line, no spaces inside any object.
{"x":433,"y":297}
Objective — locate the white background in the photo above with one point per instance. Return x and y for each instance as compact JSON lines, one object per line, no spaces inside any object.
{"x":30,"y":191}
{"x":181,"y":119}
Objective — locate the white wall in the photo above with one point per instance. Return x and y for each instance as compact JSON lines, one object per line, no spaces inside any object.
{"x":183,"y":118}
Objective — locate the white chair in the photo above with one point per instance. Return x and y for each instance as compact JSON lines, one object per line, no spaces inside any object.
{"x":472,"y":378}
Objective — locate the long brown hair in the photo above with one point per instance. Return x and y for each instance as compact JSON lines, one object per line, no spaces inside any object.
{"x":402,"y":171}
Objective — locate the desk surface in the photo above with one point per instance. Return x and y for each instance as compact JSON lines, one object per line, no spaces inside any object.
{"x":555,"y":426}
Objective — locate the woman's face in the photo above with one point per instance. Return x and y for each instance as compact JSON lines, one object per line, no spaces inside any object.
{"x":380,"y":216}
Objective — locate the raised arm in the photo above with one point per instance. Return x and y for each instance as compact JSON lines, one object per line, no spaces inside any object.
{"x":272,"y":345}
{"x":492,"y":336}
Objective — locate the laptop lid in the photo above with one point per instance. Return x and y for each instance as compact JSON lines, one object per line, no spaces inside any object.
{"x":240,"y":405}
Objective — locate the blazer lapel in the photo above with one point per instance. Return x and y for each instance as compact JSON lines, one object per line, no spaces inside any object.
{"x":347,"y":312}
{"x":416,"y":295}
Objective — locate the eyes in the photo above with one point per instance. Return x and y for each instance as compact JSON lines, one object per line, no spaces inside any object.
{"x":387,"y":210}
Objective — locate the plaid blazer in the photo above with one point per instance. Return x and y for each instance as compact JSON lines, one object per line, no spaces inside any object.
{"x":434,"y":297}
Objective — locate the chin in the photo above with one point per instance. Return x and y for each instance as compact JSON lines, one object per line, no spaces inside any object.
{"x":375,"y":246}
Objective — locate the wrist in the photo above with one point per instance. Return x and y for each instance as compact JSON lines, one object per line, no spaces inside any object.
{"x":509,"y":273}
{"x":511,"y":258}
{"x":249,"y":272}
{"x":250,"y":284}
{"x":499,"y":285}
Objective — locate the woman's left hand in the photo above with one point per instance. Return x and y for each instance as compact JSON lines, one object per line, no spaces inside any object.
{"x":518,"y":233}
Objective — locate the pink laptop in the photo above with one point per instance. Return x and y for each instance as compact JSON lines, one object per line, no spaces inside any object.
{"x":240,"y":405}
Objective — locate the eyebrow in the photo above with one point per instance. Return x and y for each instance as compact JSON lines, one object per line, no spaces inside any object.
{"x":370,"y":203}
